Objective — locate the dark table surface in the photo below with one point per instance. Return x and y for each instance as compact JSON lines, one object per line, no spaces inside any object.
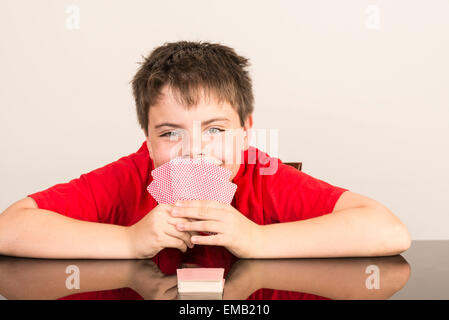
{"x":422,"y":272}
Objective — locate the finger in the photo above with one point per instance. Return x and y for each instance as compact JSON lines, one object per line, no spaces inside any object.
{"x":199,"y":213}
{"x":182,"y":235}
{"x":173,"y":242}
{"x":174,"y":221}
{"x":172,"y":292}
{"x":169,"y":281}
{"x":212,"y":240}
{"x":182,"y":220}
{"x":203,"y":226}
{"x":192,"y":233}
{"x":165,"y":207}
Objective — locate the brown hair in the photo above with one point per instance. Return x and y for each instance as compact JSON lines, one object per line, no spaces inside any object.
{"x":191,"y":68}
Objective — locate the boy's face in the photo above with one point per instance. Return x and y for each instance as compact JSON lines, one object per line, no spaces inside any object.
{"x":209,"y":129}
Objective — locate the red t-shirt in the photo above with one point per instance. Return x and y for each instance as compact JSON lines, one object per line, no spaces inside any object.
{"x":117,"y":193}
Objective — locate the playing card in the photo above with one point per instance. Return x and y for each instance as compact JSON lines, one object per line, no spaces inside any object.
{"x":185,"y":182}
{"x":212,"y":177}
{"x":162,"y":170}
{"x":192,"y":179}
{"x":161,"y":190}
{"x":227,"y":192}
{"x":199,"y":178}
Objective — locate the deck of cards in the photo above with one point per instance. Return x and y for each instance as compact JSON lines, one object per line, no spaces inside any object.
{"x":200,"y":283}
{"x":199,"y":178}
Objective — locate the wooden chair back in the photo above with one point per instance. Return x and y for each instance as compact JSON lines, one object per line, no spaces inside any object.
{"x":297,"y":165}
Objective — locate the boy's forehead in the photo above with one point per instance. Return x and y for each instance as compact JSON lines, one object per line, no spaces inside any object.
{"x":170,"y":108}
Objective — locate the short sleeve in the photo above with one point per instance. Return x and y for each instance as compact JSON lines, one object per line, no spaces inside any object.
{"x":73,"y":199}
{"x":294,"y":195}
{"x":102,"y":195}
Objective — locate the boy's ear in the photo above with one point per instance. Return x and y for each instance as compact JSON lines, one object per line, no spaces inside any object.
{"x":247,"y":131}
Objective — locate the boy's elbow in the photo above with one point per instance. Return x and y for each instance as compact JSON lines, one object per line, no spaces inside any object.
{"x":405,"y":240}
{"x":3,"y":233}
{"x":398,"y":240}
{"x":9,"y":222}
{"x":392,"y":237}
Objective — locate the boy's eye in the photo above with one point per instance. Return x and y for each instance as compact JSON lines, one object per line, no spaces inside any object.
{"x":214,"y":130}
{"x":170,"y":134}
{"x":173,"y":134}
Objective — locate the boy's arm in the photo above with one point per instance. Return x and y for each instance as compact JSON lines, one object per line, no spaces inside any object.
{"x":26,"y":230}
{"x":358,"y":226}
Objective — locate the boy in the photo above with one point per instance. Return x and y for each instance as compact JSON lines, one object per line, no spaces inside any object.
{"x":189,"y":97}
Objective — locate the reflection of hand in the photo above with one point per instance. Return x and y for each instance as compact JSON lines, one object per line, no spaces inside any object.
{"x":241,"y":281}
{"x":151,"y":283}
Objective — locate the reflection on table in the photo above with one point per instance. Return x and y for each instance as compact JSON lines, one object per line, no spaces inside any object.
{"x":246,"y":279}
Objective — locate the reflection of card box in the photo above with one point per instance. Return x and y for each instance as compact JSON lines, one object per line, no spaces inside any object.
{"x":208,"y":280}
{"x":200,"y":296}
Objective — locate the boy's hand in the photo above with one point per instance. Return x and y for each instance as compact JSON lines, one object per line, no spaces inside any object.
{"x":233,"y":230}
{"x":156,"y":231}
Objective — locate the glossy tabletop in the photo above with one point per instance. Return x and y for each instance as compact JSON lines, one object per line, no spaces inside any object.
{"x":422,"y":272}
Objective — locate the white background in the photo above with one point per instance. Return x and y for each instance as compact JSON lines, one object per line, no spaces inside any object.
{"x":359,"y":90}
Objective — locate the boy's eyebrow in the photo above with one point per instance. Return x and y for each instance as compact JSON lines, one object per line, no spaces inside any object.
{"x":203,"y":123}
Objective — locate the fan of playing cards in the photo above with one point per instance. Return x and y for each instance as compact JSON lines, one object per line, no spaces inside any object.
{"x":197,"y":178}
